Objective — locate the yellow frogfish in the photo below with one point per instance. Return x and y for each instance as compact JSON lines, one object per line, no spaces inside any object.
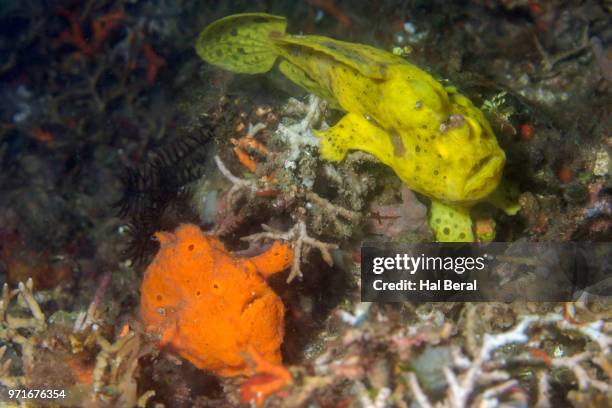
{"x":434,"y":138}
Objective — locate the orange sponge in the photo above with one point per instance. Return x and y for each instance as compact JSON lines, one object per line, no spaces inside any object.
{"x":210,"y":306}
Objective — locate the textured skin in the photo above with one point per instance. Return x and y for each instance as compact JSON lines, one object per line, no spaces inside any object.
{"x":434,"y":138}
{"x":211,"y":307}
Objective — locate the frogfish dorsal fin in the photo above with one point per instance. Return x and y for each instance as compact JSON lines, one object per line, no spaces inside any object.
{"x":368,"y":61}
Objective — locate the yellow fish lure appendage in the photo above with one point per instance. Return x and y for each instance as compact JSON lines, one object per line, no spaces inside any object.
{"x":434,"y":138}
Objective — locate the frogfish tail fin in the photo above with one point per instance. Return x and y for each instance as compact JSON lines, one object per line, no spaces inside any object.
{"x":242,"y":43}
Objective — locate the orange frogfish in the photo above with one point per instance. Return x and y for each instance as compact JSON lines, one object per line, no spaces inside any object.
{"x":212,"y":307}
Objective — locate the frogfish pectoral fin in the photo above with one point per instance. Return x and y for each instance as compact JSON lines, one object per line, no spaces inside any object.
{"x":450,"y":223}
{"x":275,"y":259}
{"x":355,"y":132}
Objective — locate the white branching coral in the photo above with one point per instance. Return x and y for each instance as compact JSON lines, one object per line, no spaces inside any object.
{"x":116,"y":367}
{"x":6,"y":378}
{"x":114,"y":375}
{"x":10,"y":324}
{"x":302,"y":243}
{"x":239,"y":186}
{"x":585,"y":381}
{"x":298,"y":235}
{"x":474,"y":380}
{"x":299,"y":135}
{"x":365,"y":399}
{"x":18,"y":330}
{"x":87,"y":319}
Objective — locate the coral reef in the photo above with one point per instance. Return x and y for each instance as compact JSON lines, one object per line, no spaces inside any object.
{"x":112,"y":129}
{"x":496,"y":382}
{"x":51,"y":355}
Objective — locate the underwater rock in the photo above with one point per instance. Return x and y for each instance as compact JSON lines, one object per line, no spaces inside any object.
{"x":22,"y":263}
{"x":429,"y":367}
{"x":405,"y":220}
{"x":575,"y":193}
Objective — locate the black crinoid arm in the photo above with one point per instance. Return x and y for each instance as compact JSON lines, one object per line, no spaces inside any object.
{"x":156,"y":194}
